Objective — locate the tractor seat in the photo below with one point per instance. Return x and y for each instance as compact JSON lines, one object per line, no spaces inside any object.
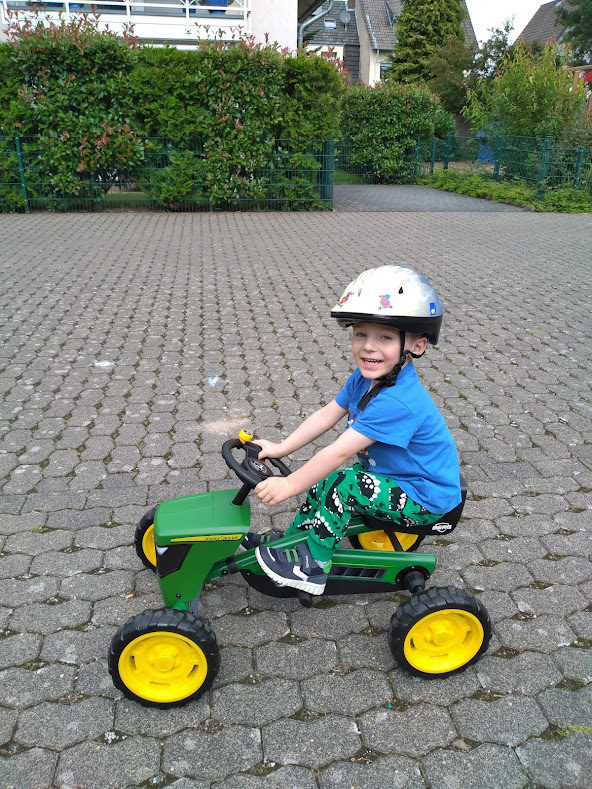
{"x":444,"y":526}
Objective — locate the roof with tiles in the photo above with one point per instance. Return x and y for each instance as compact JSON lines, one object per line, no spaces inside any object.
{"x":543,"y":27}
{"x":380,"y":16}
{"x":341,"y":35}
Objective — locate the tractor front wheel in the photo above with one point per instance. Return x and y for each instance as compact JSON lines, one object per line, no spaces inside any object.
{"x":164,"y":658}
{"x":439,"y":632}
{"x":144,"y":540}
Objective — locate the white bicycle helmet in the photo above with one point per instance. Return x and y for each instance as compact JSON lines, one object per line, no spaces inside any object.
{"x":394,"y":295}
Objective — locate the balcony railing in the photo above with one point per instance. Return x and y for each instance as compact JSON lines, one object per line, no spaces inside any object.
{"x":153,"y":20}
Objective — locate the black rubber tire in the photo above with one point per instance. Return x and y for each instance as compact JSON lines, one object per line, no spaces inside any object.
{"x":355,"y":543}
{"x":165,"y":620}
{"x":146,"y":522}
{"x":420,"y":605}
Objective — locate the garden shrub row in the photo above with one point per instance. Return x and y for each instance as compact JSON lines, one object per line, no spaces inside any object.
{"x":90,"y":98}
{"x":204,"y":124}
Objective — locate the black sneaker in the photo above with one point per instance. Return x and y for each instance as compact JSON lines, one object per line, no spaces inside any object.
{"x":293,"y":567}
{"x":254,"y":540}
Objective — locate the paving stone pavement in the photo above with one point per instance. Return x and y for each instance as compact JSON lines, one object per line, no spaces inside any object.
{"x":135,"y":344}
{"x":385,"y":197}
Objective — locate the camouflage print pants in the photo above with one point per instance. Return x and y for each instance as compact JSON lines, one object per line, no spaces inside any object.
{"x":332,"y":502}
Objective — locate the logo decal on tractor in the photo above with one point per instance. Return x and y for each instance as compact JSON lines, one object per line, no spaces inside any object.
{"x":441,"y":527}
{"x":209,"y":538}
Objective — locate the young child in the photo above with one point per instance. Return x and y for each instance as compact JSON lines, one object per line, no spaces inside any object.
{"x":408,"y":468}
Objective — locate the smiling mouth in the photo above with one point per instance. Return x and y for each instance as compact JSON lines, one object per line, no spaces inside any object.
{"x":371,"y":362}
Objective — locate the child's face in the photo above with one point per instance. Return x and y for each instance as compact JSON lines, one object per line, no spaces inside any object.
{"x":376,"y":349}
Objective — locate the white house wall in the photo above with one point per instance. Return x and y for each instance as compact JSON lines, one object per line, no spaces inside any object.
{"x":278,"y":18}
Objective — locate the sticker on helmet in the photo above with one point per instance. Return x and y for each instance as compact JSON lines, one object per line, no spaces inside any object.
{"x":384,"y":301}
{"x":345,"y":297}
{"x":432,"y":308}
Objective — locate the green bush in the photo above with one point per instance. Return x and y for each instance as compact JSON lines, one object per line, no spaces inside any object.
{"x":73,"y":96}
{"x":177,"y":184}
{"x":11,"y":195}
{"x":383,"y":125}
{"x":87,"y":104}
{"x":236,"y":100}
{"x":530,"y":97}
{"x":312,"y":89}
{"x":513,"y":191}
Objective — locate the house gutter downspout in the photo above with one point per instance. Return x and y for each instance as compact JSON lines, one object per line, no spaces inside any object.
{"x":311,"y":21}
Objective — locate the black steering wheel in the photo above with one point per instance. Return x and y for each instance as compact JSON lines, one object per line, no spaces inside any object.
{"x":251,"y":471}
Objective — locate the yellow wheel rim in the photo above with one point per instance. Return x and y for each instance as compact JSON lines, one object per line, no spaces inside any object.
{"x":148,"y":545}
{"x":379,"y":541}
{"x":163,"y":667}
{"x":443,"y":641}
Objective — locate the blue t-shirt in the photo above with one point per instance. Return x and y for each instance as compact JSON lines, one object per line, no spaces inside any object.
{"x":412,"y":442}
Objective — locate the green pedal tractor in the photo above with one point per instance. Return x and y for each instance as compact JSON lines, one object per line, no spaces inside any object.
{"x":170,"y":656}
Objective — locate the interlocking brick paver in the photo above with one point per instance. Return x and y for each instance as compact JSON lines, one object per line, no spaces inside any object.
{"x":559,"y":599}
{"x":19,"y":649}
{"x":416,"y":731}
{"x":526,"y":674}
{"x":215,"y":322}
{"x":121,"y":762}
{"x":543,"y":634}
{"x":311,"y":744}
{"x":296,"y":661}
{"x":50,"y":617}
{"x":159,"y":723}
{"x":32,"y":769}
{"x":21,"y":687}
{"x":256,"y":704}
{"x":507,"y":721}
{"x":498,"y":766}
{"x":388,"y":771}
{"x":58,"y":725}
{"x":210,"y":756}
{"x":361,"y":651}
{"x":351,"y":694}
{"x":561,"y":764}
{"x":442,"y":692}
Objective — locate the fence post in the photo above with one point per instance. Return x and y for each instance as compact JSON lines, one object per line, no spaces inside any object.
{"x":417,"y":157}
{"x":328,"y":171}
{"x":19,"y":156}
{"x":447,"y":151}
{"x":498,"y":156}
{"x":579,"y":161}
{"x":433,"y":157}
{"x":544,"y":167}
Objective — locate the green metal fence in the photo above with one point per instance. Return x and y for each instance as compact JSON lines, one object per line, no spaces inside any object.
{"x":171,"y":178}
{"x":534,"y":160}
{"x":354,"y":165}
{"x":175,"y":178}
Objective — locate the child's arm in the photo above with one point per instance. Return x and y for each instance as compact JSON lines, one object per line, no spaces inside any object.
{"x":312,"y":427}
{"x":276,"y":489}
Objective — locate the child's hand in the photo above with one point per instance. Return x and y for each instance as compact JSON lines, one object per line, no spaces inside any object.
{"x":273,"y":490}
{"x":269,"y":449}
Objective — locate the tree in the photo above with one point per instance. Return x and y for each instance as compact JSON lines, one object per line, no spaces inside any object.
{"x":578,"y":18}
{"x":456,"y":69}
{"x":383,"y":123}
{"x":530,"y":96}
{"x":419,"y":33}
{"x":490,"y":56}
{"x":449,"y":67}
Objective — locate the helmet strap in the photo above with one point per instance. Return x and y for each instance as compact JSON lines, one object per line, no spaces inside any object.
{"x":391,"y":378}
